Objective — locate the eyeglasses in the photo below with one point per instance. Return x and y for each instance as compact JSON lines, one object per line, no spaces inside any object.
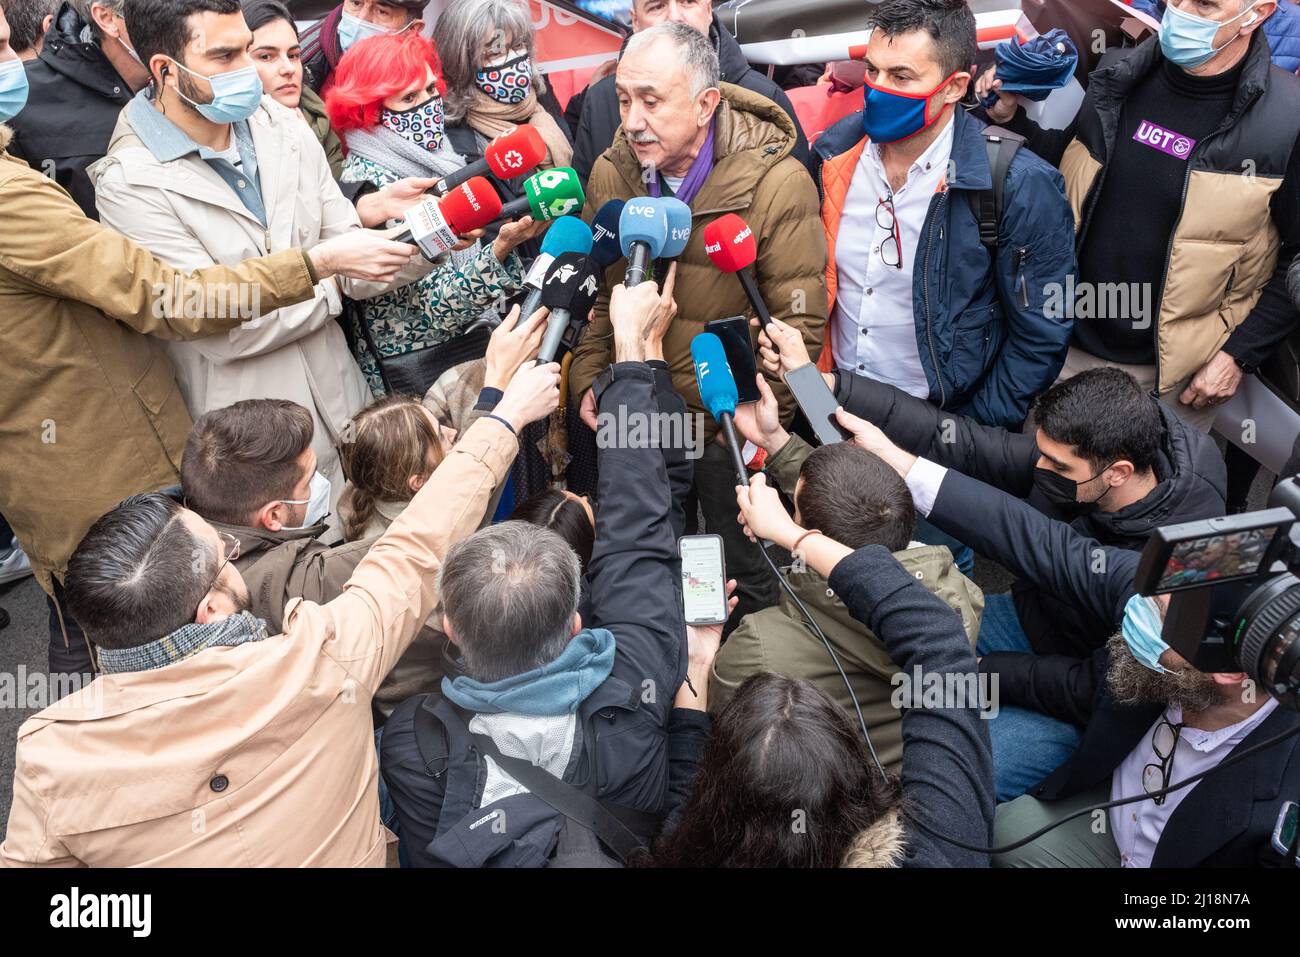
{"x":230,"y":547}
{"x":890,"y":223}
{"x":1164,"y":741}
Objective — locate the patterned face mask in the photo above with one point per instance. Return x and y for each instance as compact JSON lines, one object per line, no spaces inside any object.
{"x":422,"y":125}
{"x":509,"y":81}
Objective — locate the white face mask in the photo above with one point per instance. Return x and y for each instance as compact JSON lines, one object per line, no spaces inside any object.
{"x":318,"y":502}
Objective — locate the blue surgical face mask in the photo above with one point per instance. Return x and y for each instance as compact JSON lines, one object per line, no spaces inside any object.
{"x":317,"y":502}
{"x":235,"y":94}
{"x":13,"y":89}
{"x":1141,"y":629}
{"x":1188,"y":40}
{"x":352,"y":29}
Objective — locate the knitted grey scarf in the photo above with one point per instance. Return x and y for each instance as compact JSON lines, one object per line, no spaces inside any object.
{"x":182,"y":643}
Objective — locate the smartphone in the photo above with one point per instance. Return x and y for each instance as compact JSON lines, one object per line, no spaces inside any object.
{"x":704,"y":579}
{"x":734,"y":333}
{"x":817,"y":402}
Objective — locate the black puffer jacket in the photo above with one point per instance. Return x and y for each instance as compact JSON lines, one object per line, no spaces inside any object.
{"x":1191,"y":485}
{"x":600,"y":118}
{"x":74,"y":100}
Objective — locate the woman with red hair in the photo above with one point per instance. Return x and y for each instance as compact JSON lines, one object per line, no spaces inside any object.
{"x":385,"y":100}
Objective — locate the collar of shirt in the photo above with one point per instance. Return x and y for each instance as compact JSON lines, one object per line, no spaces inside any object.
{"x":1209,"y":741}
{"x":168,"y":142}
{"x":936,"y":154}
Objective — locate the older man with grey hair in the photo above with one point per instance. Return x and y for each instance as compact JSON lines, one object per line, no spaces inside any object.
{"x":83,"y":77}
{"x":548,"y":707}
{"x":594,"y":112}
{"x":721,"y":149}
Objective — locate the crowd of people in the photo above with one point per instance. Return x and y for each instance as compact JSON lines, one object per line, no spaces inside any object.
{"x":460,"y":641}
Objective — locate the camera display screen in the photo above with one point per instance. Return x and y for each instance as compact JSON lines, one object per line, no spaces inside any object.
{"x":1216,"y":558}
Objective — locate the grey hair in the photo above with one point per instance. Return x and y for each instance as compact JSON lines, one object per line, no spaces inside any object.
{"x":458,"y":36}
{"x":695,"y":52}
{"x":510,"y":592}
{"x":83,"y":10}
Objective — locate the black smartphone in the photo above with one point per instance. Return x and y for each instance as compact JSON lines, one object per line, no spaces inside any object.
{"x":704,"y":579}
{"x":817,"y":402}
{"x":734,"y":333}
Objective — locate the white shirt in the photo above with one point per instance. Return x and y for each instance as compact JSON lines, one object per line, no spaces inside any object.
{"x":674,"y":182}
{"x":875,"y":329}
{"x":1137,"y":827}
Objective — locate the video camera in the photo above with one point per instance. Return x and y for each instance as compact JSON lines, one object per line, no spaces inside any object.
{"x":1235,"y":594}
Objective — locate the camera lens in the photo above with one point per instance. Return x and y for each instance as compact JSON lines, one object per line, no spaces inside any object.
{"x":1269,"y":647}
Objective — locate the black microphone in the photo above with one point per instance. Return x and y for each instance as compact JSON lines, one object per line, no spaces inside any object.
{"x":569,"y":292}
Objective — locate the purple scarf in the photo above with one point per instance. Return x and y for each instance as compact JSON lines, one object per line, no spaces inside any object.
{"x":695,"y":176}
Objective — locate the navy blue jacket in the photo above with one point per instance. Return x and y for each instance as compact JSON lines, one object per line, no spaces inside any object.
{"x":986,"y":342}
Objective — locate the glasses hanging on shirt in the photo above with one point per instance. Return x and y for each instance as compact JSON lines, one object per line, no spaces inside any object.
{"x":1164,"y":741}
{"x":891,"y":250}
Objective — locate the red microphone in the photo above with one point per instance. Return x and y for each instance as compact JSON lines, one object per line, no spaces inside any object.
{"x":436,"y":225}
{"x":512,"y":154}
{"x":729,"y":243}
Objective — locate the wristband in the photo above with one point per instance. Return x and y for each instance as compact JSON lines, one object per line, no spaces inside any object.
{"x":493,"y":415}
{"x":799,"y":541}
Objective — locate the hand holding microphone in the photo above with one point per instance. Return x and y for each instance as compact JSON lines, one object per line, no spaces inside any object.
{"x":514,"y":153}
{"x":372,"y":255}
{"x":640,"y":317}
{"x":436,"y":225}
{"x":763,"y":515}
{"x":512,"y":344}
{"x":514,"y":234}
{"x":781,"y":347}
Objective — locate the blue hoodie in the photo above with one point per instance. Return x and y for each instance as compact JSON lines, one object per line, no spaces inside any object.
{"x":556,"y":688}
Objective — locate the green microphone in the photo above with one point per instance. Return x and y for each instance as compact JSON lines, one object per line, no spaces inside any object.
{"x":548,"y":195}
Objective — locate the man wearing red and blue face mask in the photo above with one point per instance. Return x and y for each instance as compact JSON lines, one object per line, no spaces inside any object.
{"x":919,"y":299}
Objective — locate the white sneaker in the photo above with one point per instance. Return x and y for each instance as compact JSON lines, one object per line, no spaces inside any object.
{"x":14,"y":564}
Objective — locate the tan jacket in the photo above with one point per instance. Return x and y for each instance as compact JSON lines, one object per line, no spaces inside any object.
{"x":186,"y":213}
{"x":260,"y":754}
{"x":89,"y":408}
{"x":755,"y":177}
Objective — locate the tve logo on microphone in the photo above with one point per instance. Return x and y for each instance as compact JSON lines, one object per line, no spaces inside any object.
{"x":640,"y":209}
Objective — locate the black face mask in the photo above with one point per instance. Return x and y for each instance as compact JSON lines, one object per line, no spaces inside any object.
{"x":1063,"y":492}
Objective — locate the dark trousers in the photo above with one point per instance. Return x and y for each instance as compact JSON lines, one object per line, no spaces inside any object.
{"x":715,"y":486}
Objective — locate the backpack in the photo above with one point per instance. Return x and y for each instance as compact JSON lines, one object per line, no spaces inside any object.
{"x":555,"y":824}
{"x":987,"y":204}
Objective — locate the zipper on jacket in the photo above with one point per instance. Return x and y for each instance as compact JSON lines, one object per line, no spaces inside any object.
{"x":925,"y":298}
{"x":1021,"y":282}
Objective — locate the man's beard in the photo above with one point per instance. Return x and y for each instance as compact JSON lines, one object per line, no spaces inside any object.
{"x":242,"y":602}
{"x":1132,"y":683}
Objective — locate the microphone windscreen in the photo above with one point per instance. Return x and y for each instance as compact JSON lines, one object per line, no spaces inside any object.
{"x":568,"y":234}
{"x":471,"y":205}
{"x":516,"y":153}
{"x":604,"y":228}
{"x":643,"y":220}
{"x":571,"y":283}
{"x":679,"y":227}
{"x":553,"y":193}
{"x":713,"y":375}
{"x":729,"y":243}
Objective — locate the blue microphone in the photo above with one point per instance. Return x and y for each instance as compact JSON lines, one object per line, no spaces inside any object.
{"x":642,"y":234}
{"x":679,"y":227}
{"x":718,"y":392}
{"x":606,"y":249}
{"x":568,"y":234}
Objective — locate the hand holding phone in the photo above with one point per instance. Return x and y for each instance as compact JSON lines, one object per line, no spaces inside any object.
{"x":817,"y":402}
{"x":704,"y":579}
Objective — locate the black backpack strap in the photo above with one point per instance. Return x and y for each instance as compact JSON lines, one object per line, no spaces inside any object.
{"x":987,"y":204}
{"x":568,"y":800}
